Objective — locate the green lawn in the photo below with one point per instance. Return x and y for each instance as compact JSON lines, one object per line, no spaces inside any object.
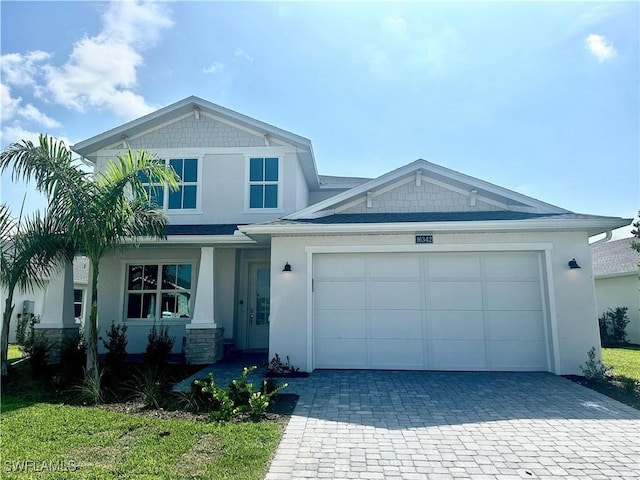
{"x":625,"y":360}
{"x":91,"y":443}
{"x":14,"y":353}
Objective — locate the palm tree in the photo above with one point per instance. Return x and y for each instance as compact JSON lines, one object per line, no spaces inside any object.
{"x":30,"y":251}
{"x":99,"y":212}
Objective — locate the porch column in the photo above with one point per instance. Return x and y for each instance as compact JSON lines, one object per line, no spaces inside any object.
{"x":205,"y":340}
{"x":58,"y":324}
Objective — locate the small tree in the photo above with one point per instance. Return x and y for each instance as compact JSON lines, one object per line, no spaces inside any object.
{"x":97,"y":213}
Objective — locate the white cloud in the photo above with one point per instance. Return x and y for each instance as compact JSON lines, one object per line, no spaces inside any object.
{"x":29,"y":112}
{"x":8,"y":103}
{"x":13,"y":110}
{"x":241,"y":53}
{"x":214,"y":67}
{"x":15,"y":133}
{"x":102,"y":70}
{"x":600,"y":47}
{"x":21,"y":70}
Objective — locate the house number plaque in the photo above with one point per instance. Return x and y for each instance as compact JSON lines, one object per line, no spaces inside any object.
{"x":424,"y":238}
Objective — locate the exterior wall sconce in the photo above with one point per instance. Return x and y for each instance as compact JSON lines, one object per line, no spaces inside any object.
{"x":573,"y":264}
{"x":287,"y":267}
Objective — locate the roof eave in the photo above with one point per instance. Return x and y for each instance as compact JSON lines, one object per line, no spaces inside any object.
{"x":591,"y":226}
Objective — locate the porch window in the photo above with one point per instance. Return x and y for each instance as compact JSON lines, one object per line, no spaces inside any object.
{"x":186,"y":196}
{"x":157,"y":291}
{"x":263,"y":182}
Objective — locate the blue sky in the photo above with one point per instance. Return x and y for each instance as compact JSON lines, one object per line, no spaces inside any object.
{"x":541,"y":97}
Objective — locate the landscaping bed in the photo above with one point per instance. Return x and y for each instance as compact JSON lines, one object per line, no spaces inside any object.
{"x":50,"y":431}
{"x":622,"y":381}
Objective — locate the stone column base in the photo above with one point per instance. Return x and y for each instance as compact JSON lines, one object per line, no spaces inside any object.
{"x":204,"y":345}
{"x":57,"y":338}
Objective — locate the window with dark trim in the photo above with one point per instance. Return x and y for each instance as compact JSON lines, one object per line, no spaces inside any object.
{"x":157,"y":291}
{"x":263,"y":182}
{"x":186,"y":196}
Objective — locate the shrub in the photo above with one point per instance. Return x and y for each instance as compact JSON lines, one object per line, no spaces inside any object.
{"x":91,"y":389}
{"x":147,"y":386}
{"x":25,"y":330}
{"x":221,"y":403}
{"x":116,"y":346}
{"x":39,"y":350}
{"x":593,"y":369}
{"x":240,"y":390}
{"x":239,"y":397}
{"x":73,"y":357}
{"x":613,"y":324}
{"x":276,"y":365}
{"x":159,"y":346}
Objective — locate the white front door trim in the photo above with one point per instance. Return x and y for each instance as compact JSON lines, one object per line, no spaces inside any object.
{"x":544,"y":248}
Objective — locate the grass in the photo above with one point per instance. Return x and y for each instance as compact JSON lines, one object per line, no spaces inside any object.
{"x":93,"y":443}
{"x":14,"y":353}
{"x":625,"y":360}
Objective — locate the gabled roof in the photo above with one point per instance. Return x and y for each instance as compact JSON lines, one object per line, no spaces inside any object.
{"x":88,"y":148}
{"x":615,"y":258}
{"x":432,"y":172}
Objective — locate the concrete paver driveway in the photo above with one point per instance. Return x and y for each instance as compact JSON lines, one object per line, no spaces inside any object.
{"x":416,"y":425}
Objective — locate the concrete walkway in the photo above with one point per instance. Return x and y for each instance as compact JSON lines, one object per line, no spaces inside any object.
{"x":433,"y":425}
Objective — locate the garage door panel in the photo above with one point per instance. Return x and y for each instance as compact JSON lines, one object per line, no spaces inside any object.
{"x":458,"y":266}
{"x":452,"y":325}
{"x":394,"y":266}
{"x":396,"y":354}
{"x":457,"y":355}
{"x":340,"y":295}
{"x":455,"y":296}
{"x":341,"y":353}
{"x":340,"y":324}
{"x":511,"y":265}
{"x":517,"y":355}
{"x":395,"y":295}
{"x":441,"y":311}
{"x":516,"y":325}
{"x":513,"y":296}
{"x":340,"y":266}
{"x":394,"y":324}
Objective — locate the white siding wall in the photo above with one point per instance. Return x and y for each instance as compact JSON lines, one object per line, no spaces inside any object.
{"x":224,"y":184}
{"x":621,"y":292}
{"x":573,"y":297}
{"x":37,"y":296}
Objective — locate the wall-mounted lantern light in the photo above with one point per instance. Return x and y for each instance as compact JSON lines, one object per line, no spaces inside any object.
{"x":287,"y":267}
{"x":573,"y":264}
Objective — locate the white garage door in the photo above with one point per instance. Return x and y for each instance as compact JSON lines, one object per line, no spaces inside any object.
{"x":453,"y":311}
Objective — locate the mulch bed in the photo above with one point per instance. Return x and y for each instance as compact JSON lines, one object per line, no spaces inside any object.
{"x":280,"y":409}
{"x":612,"y":387}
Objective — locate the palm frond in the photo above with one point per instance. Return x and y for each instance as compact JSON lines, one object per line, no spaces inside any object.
{"x":48,"y":163}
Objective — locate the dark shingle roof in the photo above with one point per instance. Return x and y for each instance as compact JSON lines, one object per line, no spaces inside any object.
{"x":213,"y":229}
{"x":615,"y":257}
{"x":341,"y":181}
{"x":425,"y":217}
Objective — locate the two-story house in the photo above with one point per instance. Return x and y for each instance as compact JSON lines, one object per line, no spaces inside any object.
{"x":421,"y":268}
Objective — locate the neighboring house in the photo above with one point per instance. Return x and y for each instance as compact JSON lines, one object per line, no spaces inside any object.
{"x":35,"y":301}
{"x":420,"y":268}
{"x":615,"y":269}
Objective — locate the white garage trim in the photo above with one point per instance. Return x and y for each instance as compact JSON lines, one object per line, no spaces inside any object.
{"x":544,"y":274}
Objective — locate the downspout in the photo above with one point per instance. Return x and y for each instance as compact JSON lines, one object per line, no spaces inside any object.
{"x":607,"y":237}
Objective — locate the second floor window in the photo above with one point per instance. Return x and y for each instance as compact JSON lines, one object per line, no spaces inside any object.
{"x":263,"y":182}
{"x":185,"y":197}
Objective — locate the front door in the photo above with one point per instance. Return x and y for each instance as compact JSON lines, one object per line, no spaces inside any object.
{"x":259,"y":305}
